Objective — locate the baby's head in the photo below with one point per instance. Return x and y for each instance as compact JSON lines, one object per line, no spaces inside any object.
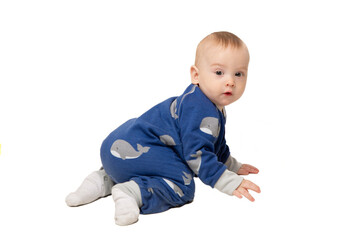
{"x":220,"y":69}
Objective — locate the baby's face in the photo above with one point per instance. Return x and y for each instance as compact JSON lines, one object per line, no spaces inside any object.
{"x":221,"y":73}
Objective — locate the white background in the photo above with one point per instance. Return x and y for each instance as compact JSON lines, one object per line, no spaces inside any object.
{"x":72,"y":71}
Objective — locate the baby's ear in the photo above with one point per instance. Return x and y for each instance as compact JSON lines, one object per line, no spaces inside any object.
{"x":194,"y":72}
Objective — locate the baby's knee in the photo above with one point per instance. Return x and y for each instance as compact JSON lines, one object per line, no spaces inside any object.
{"x":160,"y":194}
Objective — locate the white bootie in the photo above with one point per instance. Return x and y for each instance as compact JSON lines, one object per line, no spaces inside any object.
{"x":98,"y":184}
{"x":126,"y":209}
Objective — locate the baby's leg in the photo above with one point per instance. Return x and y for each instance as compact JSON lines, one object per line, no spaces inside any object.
{"x":148,"y":195}
{"x":98,"y":184}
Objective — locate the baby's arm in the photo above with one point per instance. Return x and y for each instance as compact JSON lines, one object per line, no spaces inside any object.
{"x":200,"y":127}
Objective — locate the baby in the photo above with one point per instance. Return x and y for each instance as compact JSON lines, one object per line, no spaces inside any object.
{"x":149,"y":162}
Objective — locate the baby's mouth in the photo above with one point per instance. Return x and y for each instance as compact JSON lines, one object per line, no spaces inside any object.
{"x":228,"y":93}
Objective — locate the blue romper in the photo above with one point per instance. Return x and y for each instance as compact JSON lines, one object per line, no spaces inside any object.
{"x":166,"y":147}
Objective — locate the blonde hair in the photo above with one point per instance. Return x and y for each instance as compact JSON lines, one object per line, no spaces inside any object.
{"x":223,"y":39}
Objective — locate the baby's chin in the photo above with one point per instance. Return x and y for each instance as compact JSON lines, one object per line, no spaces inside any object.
{"x":226,"y":102}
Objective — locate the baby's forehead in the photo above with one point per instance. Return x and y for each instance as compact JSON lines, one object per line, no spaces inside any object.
{"x":213,"y":49}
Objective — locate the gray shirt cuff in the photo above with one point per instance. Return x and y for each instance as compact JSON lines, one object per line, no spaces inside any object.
{"x":232,"y":164}
{"x":228,"y":182}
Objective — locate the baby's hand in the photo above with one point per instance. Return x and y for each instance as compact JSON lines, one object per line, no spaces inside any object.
{"x":242,"y":190}
{"x":246,"y":169}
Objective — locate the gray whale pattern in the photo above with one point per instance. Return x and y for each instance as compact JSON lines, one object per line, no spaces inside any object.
{"x":195,"y":164}
{"x":187,"y":178}
{"x":122,"y":149}
{"x":173,"y":109}
{"x":167,"y":140}
{"x":210,"y":125}
{"x":174,"y":187}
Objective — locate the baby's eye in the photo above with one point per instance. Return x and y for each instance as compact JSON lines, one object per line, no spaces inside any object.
{"x":239,"y":74}
{"x":219,"y":73}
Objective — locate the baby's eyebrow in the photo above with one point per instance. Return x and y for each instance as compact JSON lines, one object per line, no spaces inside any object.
{"x":241,"y":68}
{"x":217,"y":65}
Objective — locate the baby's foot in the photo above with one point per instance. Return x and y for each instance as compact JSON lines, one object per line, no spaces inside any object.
{"x":96,"y":185}
{"x":126,"y":209}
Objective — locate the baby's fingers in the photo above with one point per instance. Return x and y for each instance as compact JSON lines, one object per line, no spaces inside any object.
{"x":253,"y":169}
{"x":246,"y":169}
{"x":250,"y":185}
{"x":237,"y":193}
{"x":246,"y":194}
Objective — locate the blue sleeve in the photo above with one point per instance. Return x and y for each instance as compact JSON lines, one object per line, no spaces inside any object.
{"x":224,"y":151}
{"x":199,"y":126}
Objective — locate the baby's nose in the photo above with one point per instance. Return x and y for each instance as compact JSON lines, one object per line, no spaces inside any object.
{"x":230,"y":82}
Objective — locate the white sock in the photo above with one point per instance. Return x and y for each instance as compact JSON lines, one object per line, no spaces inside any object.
{"x":98,"y":184}
{"x":126,"y":208}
